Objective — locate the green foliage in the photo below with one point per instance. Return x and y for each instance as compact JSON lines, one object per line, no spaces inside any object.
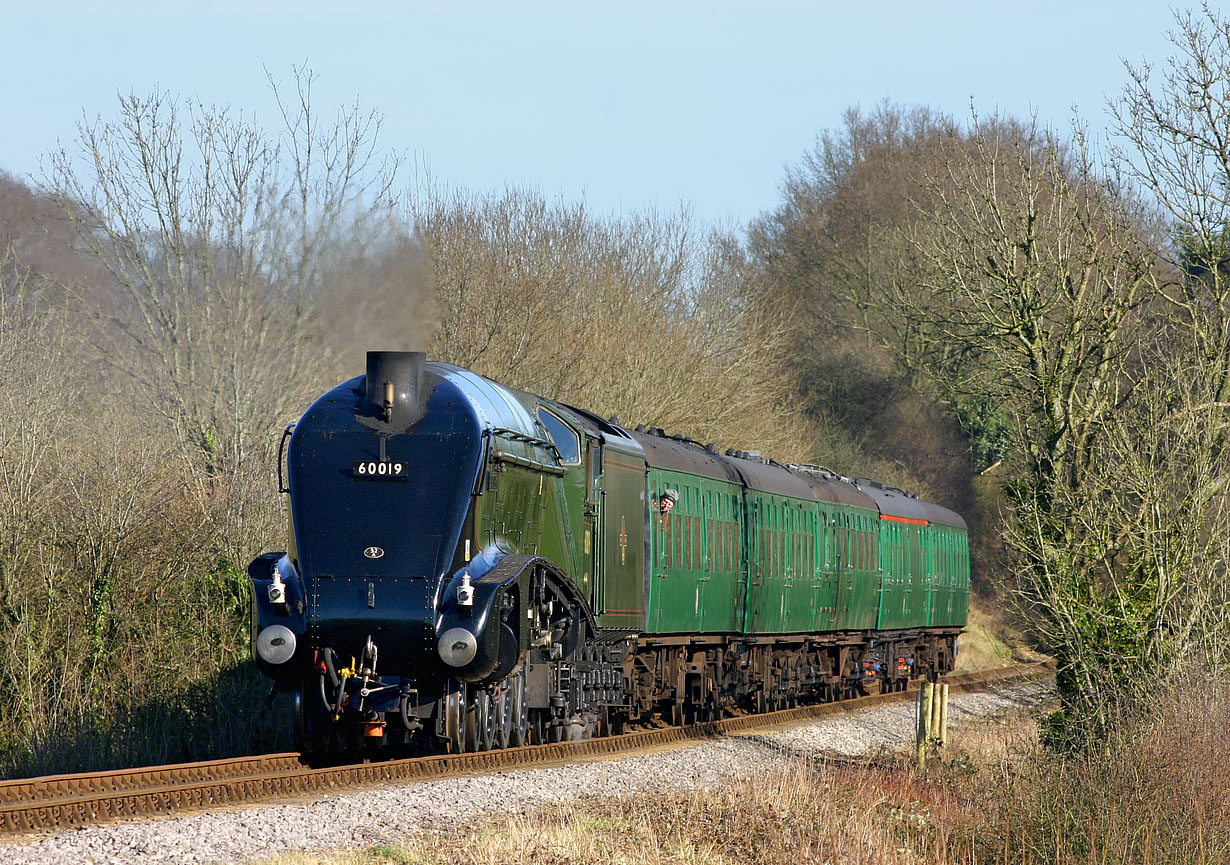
{"x":230,"y":591}
{"x":986,"y":425}
{"x":1199,"y":254}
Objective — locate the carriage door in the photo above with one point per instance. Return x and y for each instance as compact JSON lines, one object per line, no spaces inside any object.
{"x":615,"y":514}
{"x":593,"y":524}
{"x":843,"y":571}
{"x":751,"y":574}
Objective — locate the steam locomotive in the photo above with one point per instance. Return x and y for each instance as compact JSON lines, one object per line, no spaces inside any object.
{"x":474,"y":567}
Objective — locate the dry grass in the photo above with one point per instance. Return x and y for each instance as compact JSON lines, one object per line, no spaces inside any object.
{"x":881,"y":814}
{"x":991,"y":639}
{"x":803,"y":814}
{"x":1159,"y":794}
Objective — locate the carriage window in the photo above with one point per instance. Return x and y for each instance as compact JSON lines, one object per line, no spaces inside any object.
{"x":687,"y":543}
{"x":667,"y":537}
{"x":565,"y":440}
{"x":698,"y":560}
{"x":679,"y":530}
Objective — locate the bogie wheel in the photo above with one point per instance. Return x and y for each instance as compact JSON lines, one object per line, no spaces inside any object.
{"x":676,"y":712}
{"x":616,"y":723}
{"x":480,"y":722}
{"x":491,"y":723}
{"x":455,"y":722}
{"x":303,"y":724}
{"x":470,"y":730}
{"x":312,"y":725}
{"x":538,"y":727}
{"x":519,"y":734}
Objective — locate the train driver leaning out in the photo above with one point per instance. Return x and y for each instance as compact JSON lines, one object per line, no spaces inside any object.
{"x":667,"y":500}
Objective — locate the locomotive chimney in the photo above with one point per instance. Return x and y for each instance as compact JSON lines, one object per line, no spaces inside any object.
{"x":394,"y":390}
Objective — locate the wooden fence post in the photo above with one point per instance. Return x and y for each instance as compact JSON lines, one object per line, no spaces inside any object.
{"x":943,"y":725}
{"x":925,"y":697}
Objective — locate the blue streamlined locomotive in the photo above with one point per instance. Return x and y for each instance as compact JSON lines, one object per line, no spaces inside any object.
{"x":472,"y":567}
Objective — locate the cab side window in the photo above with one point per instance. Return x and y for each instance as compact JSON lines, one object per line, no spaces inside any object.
{"x":565,"y":440}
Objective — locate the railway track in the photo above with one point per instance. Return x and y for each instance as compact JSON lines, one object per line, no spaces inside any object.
{"x":58,"y":802}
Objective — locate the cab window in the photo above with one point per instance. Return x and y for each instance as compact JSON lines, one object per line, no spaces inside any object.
{"x":565,"y":440}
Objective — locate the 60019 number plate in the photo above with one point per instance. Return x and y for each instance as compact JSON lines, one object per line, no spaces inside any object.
{"x":380,"y":470}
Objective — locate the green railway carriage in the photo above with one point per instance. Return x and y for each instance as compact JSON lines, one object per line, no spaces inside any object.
{"x":906,"y":579}
{"x":946,"y":547}
{"x":758,"y":548}
{"x":749,"y":547}
{"x":696,"y":566}
{"x":520,"y":565}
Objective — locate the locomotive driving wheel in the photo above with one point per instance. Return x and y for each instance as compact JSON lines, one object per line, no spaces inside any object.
{"x":502,"y":703}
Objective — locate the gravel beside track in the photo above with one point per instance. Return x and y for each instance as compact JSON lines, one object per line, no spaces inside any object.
{"x":364,"y":818}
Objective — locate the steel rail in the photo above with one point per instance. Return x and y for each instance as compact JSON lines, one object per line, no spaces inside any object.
{"x":57,"y":802}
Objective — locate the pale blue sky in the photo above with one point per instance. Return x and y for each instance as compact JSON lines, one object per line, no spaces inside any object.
{"x":627,"y":104}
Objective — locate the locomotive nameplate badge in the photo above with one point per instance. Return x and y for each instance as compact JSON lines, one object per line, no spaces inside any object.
{"x":373,"y":552}
{"x":381,"y":470}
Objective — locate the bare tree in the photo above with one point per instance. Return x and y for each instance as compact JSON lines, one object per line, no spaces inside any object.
{"x":168,"y":326}
{"x":837,"y":236}
{"x":638,"y":318}
{"x":37,"y":390}
{"x":1173,"y":140}
{"x":1040,"y":289}
{"x":218,"y":239}
{"x":827,"y":252}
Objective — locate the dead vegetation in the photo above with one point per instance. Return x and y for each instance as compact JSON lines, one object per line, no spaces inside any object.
{"x":1158,"y":794}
